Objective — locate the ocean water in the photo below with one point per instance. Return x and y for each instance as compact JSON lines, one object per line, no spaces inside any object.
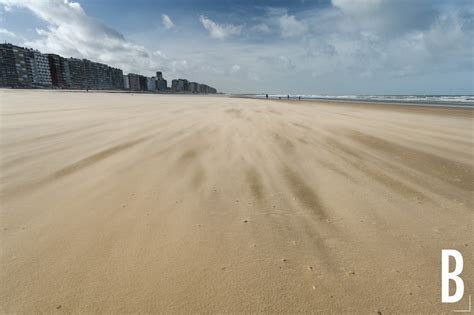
{"x":463,"y":101}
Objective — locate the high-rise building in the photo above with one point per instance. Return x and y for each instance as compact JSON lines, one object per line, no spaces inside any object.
{"x":16,"y":68}
{"x":59,"y":67}
{"x":92,"y":74}
{"x":143,"y":83}
{"x":193,"y":87}
{"x":174,"y":85}
{"x":161,"y":83}
{"x":104,"y":77}
{"x":205,"y":89}
{"x":151,"y":83}
{"x":134,"y":81}
{"x":23,"y":66}
{"x":41,"y":73}
{"x":8,"y":74}
{"x":180,"y":85}
{"x":77,"y":73}
{"x":117,"y":79}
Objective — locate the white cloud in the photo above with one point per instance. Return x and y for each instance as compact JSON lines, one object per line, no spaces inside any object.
{"x":6,"y":32}
{"x":389,"y":16}
{"x":279,"y":62}
{"x":72,"y":33}
{"x":290,"y":26}
{"x":373,"y":46}
{"x":359,"y":6}
{"x":160,"y":54}
{"x":275,"y":11}
{"x":262,"y":28}
{"x":234,"y":69}
{"x":167,"y":22}
{"x":253,"y":76}
{"x":219,"y":31}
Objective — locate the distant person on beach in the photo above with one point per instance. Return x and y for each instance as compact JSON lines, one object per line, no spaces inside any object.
{"x":288,"y":96}
{"x":266,"y":96}
{"x":299,"y":98}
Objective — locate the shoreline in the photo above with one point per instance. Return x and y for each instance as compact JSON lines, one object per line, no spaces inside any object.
{"x":291,"y":100}
{"x":432,"y":104}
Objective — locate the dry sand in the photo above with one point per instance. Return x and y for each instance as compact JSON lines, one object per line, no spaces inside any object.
{"x":143,"y":203}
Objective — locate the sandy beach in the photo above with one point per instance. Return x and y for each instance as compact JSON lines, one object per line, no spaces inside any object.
{"x":141,"y":203}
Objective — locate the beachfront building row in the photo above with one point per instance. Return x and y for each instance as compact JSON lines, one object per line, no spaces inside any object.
{"x":137,"y":82}
{"x":27,"y":68}
{"x":23,"y":67}
{"x":184,"y":86}
{"x":73,"y":73}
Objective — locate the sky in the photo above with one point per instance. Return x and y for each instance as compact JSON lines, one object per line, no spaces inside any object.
{"x":330,"y":47}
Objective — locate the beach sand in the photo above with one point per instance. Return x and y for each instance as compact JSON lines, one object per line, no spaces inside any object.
{"x":128,"y":203}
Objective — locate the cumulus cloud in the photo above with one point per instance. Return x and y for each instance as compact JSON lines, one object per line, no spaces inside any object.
{"x":234,"y":69}
{"x":253,"y":76}
{"x":262,"y":28}
{"x":346,"y":46}
{"x":167,"y":22}
{"x":290,"y":26}
{"x":219,"y":31}
{"x":4,"y":31}
{"x":279,"y":62}
{"x":72,"y":33}
{"x":389,"y":16}
{"x":360,"y":6}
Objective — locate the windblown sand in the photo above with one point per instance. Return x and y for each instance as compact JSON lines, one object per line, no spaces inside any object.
{"x":124,"y":203}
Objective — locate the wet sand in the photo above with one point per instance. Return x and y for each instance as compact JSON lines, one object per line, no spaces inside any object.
{"x":128,"y":203}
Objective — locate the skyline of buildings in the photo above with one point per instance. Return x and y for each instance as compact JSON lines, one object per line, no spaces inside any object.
{"x":22,"y":67}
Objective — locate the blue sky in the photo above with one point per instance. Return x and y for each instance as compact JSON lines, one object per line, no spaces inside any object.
{"x":335,"y":47}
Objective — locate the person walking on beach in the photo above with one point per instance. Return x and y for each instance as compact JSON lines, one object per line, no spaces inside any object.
{"x":266,"y":96}
{"x":288,"y":96}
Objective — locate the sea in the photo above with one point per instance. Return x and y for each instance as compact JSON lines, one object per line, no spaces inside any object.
{"x":459,"y":101}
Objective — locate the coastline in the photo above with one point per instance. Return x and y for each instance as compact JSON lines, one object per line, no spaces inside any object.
{"x":441,"y":104}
